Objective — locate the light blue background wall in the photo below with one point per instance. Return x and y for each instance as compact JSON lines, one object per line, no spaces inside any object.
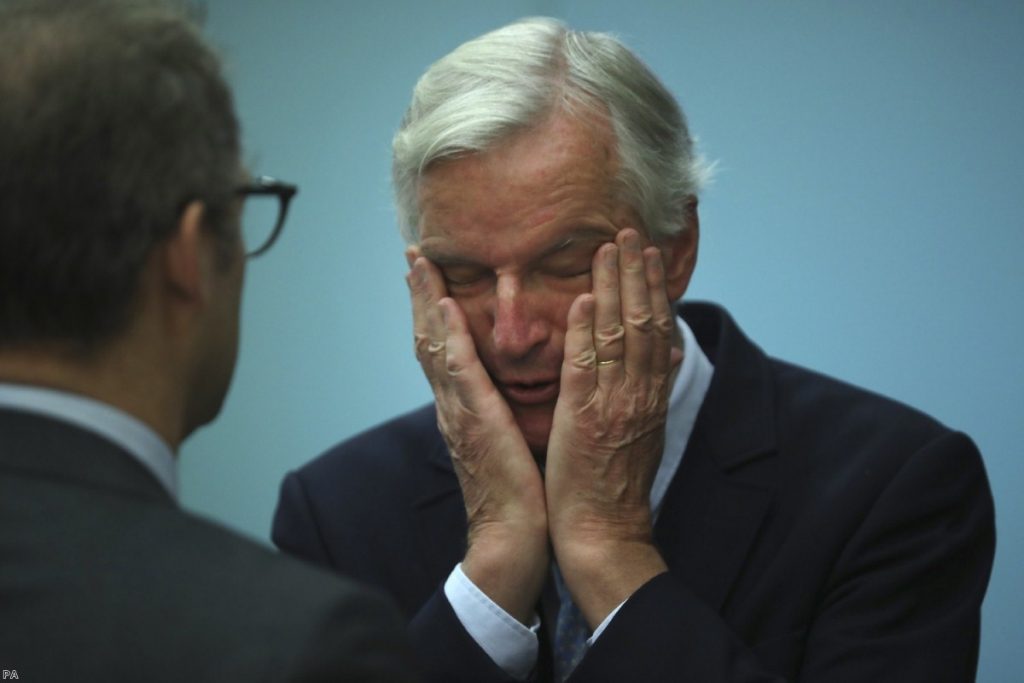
{"x":867,"y":220}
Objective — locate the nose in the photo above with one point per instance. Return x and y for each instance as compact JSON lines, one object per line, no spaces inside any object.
{"x":519,"y":325}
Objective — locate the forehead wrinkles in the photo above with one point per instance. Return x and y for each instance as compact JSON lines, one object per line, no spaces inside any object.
{"x":502,"y":230}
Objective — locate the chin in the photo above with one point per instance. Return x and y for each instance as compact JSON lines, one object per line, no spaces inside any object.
{"x":538,"y":446}
{"x":536,"y":428}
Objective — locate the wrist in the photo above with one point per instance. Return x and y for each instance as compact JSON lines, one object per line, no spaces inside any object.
{"x":600,"y":576}
{"x":509,"y":564}
{"x":585,"y":530}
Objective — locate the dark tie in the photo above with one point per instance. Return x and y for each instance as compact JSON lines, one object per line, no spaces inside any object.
{"x":571,"y":633}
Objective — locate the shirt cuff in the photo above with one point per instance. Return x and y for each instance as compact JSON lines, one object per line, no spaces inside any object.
{"x":510,"y":644}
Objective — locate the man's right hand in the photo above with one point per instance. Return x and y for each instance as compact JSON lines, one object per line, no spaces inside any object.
{"x":507,"y":556}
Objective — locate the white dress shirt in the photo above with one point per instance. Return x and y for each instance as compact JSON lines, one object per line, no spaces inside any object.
{"x":114,"y":425}
{"x":512,"y":645}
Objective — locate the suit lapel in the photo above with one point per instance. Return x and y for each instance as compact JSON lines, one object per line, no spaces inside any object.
{"x":726,"y":481}
{"x":707,"y":525}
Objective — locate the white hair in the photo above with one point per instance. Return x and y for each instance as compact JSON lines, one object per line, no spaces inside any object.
{"x":513,"y":78}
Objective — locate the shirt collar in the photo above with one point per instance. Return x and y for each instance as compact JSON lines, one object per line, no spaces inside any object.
{"x":691,"y":384}
{"x":115,"y":425}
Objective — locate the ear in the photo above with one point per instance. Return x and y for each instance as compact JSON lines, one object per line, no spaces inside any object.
{"x":679,"y":252}
{"x":185,"y":263}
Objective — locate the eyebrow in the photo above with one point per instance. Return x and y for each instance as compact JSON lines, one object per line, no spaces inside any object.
{"x":444,"y":258}
{"x":587,"y":234}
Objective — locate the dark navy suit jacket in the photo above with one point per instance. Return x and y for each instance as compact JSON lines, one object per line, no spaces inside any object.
{"x":814,"y":532}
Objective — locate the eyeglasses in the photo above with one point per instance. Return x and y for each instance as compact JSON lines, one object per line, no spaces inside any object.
{"x":264,"y":208}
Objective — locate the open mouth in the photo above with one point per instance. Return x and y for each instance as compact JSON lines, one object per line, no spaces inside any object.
{"x":527,"y":393}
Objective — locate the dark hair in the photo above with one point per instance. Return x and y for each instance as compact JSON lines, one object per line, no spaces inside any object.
{"x":113,"y":116}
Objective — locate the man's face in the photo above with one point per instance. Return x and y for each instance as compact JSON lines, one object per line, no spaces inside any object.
{"x":514,"y":231}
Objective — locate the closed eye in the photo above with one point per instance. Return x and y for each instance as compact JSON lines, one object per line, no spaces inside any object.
{"x":573,"y":262}
{"x":464,"y":277}
{"x":569,"y":272}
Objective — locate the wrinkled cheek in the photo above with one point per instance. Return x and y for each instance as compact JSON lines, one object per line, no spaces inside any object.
{"x":481,"y":328}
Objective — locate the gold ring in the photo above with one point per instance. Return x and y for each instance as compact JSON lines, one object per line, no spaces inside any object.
{"x":605,"y":363}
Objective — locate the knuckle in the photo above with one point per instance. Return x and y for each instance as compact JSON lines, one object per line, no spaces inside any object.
{"x":426,"y":348}
{"x":454,"y":366}
{"x":585,"y":360}
{"x":610,"y":335}
{"x":664,"y":325}
{"x":634,"y":265}
{"x":641,"y":321}
{"x":420,"y":343}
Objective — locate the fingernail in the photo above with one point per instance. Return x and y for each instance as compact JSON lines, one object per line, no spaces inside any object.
{"x":631,"y":240}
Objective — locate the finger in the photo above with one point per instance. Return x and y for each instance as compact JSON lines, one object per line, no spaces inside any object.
{"x":462,"y":367}
{"x":637,"y":316}
{"x":579,"y":362}
{"x":420,"y":337}
{"x":427,"y":289}
{"x":609,"y":336}
{"x":663,"y":322}
{"x":412,"y":252}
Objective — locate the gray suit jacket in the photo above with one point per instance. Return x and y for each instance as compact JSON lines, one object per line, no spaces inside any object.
{"x":104,"y":578}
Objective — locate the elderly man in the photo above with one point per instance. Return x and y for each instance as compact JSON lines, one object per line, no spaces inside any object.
{"x":604,"y":490}
{"x":121,"y":265}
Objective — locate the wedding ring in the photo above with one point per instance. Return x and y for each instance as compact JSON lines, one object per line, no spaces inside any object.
{"x":605,"y":363}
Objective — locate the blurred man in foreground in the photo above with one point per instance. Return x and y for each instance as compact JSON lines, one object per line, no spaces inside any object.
{"x":121,"y":267}
{"x":609,"y":486}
